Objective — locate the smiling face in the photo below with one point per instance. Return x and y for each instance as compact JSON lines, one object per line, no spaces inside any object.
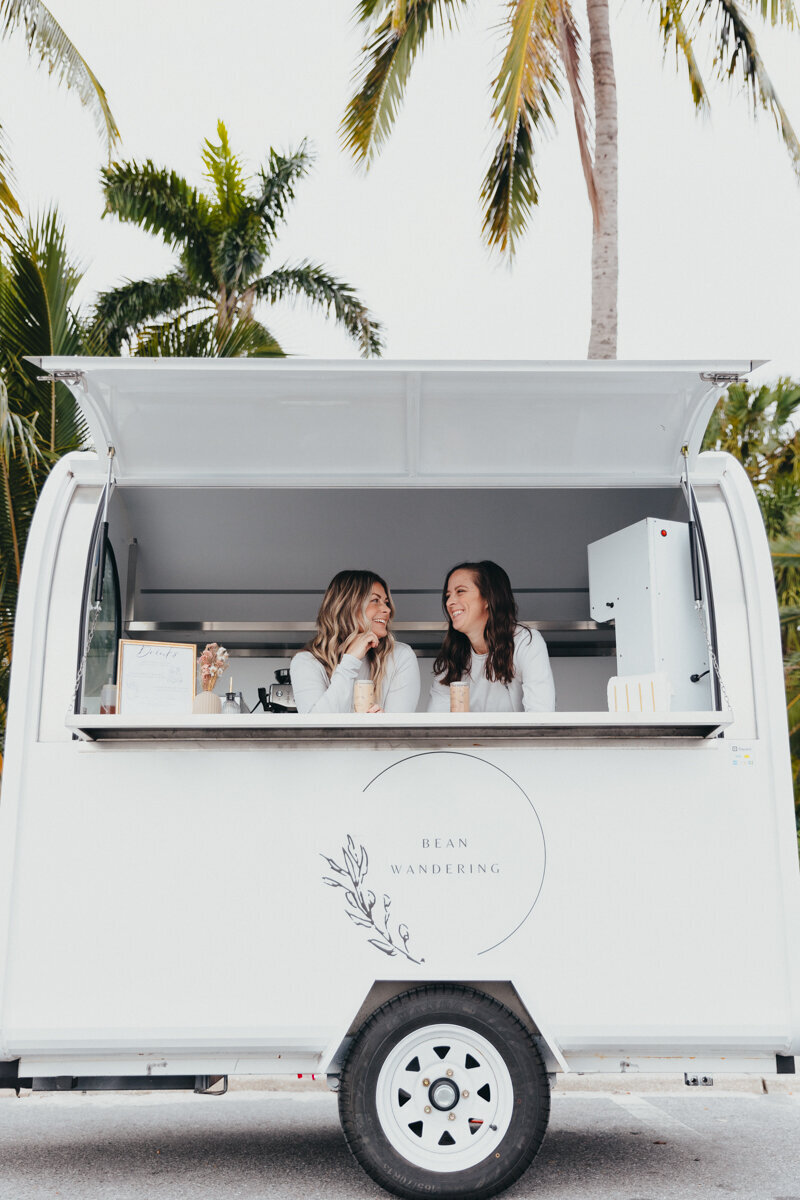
{"x":466,"y":607}
{"x":377,"y":610}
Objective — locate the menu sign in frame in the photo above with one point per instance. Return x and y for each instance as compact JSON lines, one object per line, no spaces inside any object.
{"x":156,"y":678}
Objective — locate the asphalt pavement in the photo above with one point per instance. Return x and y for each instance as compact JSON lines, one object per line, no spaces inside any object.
{"x":610,"y":1138}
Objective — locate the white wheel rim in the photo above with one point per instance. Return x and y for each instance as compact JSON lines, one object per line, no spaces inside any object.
{"x":442,"y":1062}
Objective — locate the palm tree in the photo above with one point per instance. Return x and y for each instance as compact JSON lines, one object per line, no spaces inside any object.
{"x":206,"y":304}
{"x":758,"y":426}
{"x":37,"y":284}
{"x":544,"y":55}
{"x":48,"y":43}
{"x":18,"y":453}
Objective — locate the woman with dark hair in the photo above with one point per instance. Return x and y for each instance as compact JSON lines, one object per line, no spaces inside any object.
{"x":353,"y":641}
{"x":504,"y":663}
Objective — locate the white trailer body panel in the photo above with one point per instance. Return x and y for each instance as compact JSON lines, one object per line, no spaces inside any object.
{"x":544,"y":886}
{"x":164,"y":903}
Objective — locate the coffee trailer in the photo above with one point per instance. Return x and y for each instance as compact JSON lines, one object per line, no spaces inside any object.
{"x":441,"y":912}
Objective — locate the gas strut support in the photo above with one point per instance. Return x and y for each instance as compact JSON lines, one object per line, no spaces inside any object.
{"x":693,"y":552}
{"x":101,"y":553}
{"x":701,"y":570}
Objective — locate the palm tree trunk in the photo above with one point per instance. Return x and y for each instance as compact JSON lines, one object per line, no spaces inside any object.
{"x":605,"y":269}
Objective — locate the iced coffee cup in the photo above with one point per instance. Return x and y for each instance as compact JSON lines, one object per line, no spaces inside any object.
{"x":459,"y":697}
{"x":363,"y":695}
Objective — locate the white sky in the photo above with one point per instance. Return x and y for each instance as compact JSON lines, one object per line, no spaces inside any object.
{"x":709,"y":209}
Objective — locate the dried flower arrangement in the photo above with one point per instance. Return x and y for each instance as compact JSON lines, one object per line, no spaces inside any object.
{"x":212,"y":663}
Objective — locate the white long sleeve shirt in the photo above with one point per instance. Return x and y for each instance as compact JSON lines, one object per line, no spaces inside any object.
{"x":314,"y":692}
{"x":531,"y":689}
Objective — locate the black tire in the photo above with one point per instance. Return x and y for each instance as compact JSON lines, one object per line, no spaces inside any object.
{"x":406,"y":1156}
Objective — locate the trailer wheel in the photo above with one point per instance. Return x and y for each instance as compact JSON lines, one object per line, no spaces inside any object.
{"x":444,"y":1093}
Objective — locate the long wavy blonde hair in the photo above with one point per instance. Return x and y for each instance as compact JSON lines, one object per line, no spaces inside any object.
{"x":342,"y":615}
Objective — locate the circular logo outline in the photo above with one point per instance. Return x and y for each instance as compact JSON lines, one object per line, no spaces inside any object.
{"x":518,"y":786}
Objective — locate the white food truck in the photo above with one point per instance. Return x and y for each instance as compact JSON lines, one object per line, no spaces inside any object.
{"x":440,"y":911}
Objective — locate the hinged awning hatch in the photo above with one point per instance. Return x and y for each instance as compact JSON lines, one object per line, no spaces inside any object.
{"x":291,"y":422}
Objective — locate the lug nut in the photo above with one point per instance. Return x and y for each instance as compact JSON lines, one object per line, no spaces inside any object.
{"x":465,"y":1094}
{"x":426,"y":1083}
{"x":449,"y":1073}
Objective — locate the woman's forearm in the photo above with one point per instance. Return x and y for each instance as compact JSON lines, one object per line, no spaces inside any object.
{"x":315,"y":693}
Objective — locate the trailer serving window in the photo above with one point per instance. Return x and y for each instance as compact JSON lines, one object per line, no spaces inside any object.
{"x":257,"y":592}
{"x":241,"y":488}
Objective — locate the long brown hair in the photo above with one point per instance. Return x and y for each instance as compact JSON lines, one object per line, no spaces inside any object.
{"x":455,"y":657}
{"x":342,"y":615}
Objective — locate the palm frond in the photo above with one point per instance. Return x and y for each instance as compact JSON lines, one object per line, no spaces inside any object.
{"x":48,"y":42}
{"x":524,"y":92}
{"x":778,"y":12}
{"x":187,"y":337}
{"x":277,"y":183}
{"x":161,"y":202}
{"x":181,"y":336}
{"x":757,"y":426}
{"x":18,"y":436}
{"x":366,"y":9}
{"x":8,"y":202}
{"x":239,"y":250}
{"x":313,"y":282}
{"x":224,"y":170}
{"x":121,"y":311}
{"x":737,"y":58}
{"x":386,"y":62}
{"x":780,"y":506}
{"x":37,"y":318}
{"x":569,"y":44}
{"x":786,"y":397}
{"x":248,"y":338}
{"x":674,"y":28}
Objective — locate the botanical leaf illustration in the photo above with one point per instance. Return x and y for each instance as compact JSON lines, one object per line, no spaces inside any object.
{"x":390,"y":950}
{"x":361,"y":903}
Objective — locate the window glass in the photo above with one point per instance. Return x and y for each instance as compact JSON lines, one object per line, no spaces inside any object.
{"x":104,"y":632}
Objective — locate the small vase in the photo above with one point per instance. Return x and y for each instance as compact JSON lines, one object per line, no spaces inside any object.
{"x":206,"y":702}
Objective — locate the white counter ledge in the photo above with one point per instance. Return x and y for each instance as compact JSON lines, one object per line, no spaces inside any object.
{"x":394,"y":727}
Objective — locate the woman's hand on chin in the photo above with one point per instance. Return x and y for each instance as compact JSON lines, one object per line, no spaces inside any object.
{"x":360,"y":643}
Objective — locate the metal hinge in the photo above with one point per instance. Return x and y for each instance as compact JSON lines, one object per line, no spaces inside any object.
{"x":69,"y":377}
{"x":720,"y":377}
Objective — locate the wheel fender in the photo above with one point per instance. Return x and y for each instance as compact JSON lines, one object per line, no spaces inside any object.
{"x":387,"y":989}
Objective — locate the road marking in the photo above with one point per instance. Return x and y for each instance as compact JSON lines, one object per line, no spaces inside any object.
{"x":651,"y":1114}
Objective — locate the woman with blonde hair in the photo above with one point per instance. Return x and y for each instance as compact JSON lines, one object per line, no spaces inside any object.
{"x":353,"y":641}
